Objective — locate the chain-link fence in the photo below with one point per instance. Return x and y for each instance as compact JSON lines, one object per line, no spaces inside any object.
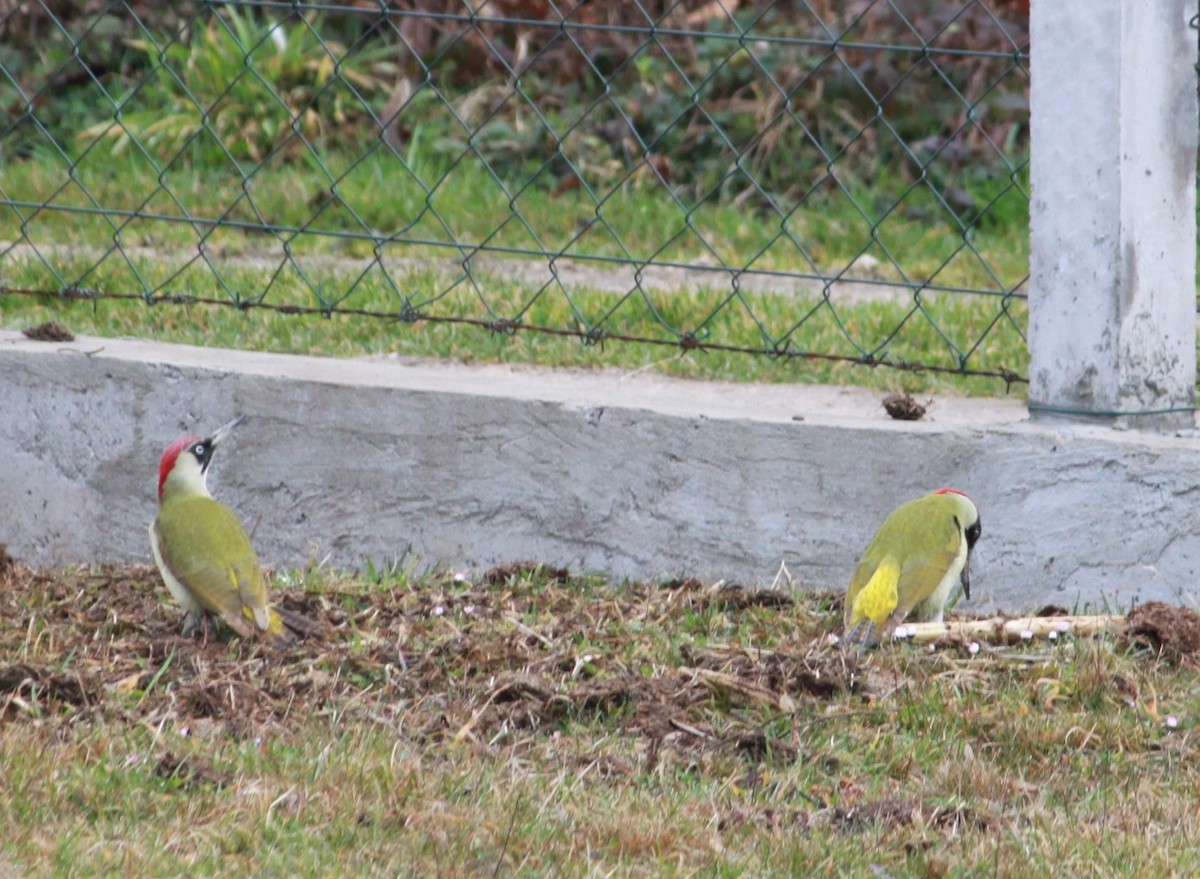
{"x":822,"y":179}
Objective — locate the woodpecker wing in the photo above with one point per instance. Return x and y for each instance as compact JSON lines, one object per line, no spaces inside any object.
{"x":939,"y":558}
{"x":207,"y":551}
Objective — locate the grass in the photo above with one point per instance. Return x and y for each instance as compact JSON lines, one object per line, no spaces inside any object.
{"x":344,"y":200}
{"x":847,"y":331}
{"x":528,"y":722}
{"x":334,"y":269}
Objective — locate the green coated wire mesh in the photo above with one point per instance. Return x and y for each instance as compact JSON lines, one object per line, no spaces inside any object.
{"x":820,"y":179}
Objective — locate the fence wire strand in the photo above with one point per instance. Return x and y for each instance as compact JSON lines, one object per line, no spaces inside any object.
{"x":843,"y":182}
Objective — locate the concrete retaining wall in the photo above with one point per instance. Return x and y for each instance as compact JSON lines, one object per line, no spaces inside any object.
{"x":636,"y":476}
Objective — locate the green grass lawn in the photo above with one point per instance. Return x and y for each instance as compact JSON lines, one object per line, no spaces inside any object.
{"x":118,"y":224}
{"x":532,"y":723}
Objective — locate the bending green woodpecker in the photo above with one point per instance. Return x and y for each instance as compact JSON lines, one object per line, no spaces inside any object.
{"x":203,"y":553}
{"x":910,"y":565}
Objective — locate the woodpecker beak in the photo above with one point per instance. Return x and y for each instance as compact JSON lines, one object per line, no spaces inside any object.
{"x":965,"y":577}
{"x":223,"y":431}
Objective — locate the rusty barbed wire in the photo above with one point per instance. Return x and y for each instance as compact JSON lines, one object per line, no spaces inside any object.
{"x":407,"y":314}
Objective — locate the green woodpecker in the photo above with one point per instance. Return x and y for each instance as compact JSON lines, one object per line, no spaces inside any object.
{"x":203,"y":553}
{"x":911,"y":564}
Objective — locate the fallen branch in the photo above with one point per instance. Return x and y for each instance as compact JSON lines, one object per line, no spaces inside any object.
{"x":1011,"y":630}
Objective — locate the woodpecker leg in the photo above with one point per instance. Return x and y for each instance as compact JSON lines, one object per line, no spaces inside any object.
{"x":191,"y":621}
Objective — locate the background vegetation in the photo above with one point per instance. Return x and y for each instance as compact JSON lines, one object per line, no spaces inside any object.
{"x":813,"y":163}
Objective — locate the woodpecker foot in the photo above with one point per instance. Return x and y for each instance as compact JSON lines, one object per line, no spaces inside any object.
{"x":191,"y":621}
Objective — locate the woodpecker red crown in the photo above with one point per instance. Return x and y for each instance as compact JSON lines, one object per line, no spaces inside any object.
{"x":952,"y":491}
{"x":167,"y":464}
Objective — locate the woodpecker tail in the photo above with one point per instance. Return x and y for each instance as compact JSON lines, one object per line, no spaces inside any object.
{"x":863,"y":635}
{"x":287,"y":626}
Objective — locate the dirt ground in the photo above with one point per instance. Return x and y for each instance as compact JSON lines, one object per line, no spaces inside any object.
{"x":103,"y":643}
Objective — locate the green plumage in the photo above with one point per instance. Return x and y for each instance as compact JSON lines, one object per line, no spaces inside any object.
{"x":206,"y":549}
{"x":918,"y":551}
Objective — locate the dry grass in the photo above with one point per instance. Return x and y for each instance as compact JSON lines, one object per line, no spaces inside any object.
{"x":528,"y":722}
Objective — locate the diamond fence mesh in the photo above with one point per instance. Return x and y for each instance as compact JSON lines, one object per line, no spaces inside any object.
{"x":821,"y":180}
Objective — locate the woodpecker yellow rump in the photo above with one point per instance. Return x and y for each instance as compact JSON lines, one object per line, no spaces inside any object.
{"x":203,"y":553}
{"x":911,"y":564}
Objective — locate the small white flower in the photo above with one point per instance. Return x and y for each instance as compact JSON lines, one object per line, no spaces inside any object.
{"x":438,"y":610}
{"x":1052,"y":635}
{"x":832,"y":640}
{"x":468,"y":609}
{"x":973,"y":647}
{"x":1172,"y":721}
{"x":186,"y":731}
{"x":460,"y":578}
{"x":1026,"y":635}
{"x":279,"y":38}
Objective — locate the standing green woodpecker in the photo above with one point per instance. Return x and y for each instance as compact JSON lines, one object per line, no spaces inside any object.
{"x":911,"y":564}
{"x":203,"y":553}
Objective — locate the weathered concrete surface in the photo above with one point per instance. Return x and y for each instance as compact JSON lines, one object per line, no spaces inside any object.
{"x":634,"y":475}
{"x":1112,"y":304}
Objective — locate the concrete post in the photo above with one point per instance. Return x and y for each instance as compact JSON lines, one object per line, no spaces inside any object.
{"x":1112,"y":306}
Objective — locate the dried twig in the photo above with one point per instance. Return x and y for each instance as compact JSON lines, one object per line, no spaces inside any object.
{"x":1011,"y":630}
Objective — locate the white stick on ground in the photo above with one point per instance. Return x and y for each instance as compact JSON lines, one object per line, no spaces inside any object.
{"x":1011,"y":630}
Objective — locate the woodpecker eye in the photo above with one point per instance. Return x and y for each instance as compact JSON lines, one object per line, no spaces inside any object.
{"x":974,"y":532}
{"x":200,"y":450}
